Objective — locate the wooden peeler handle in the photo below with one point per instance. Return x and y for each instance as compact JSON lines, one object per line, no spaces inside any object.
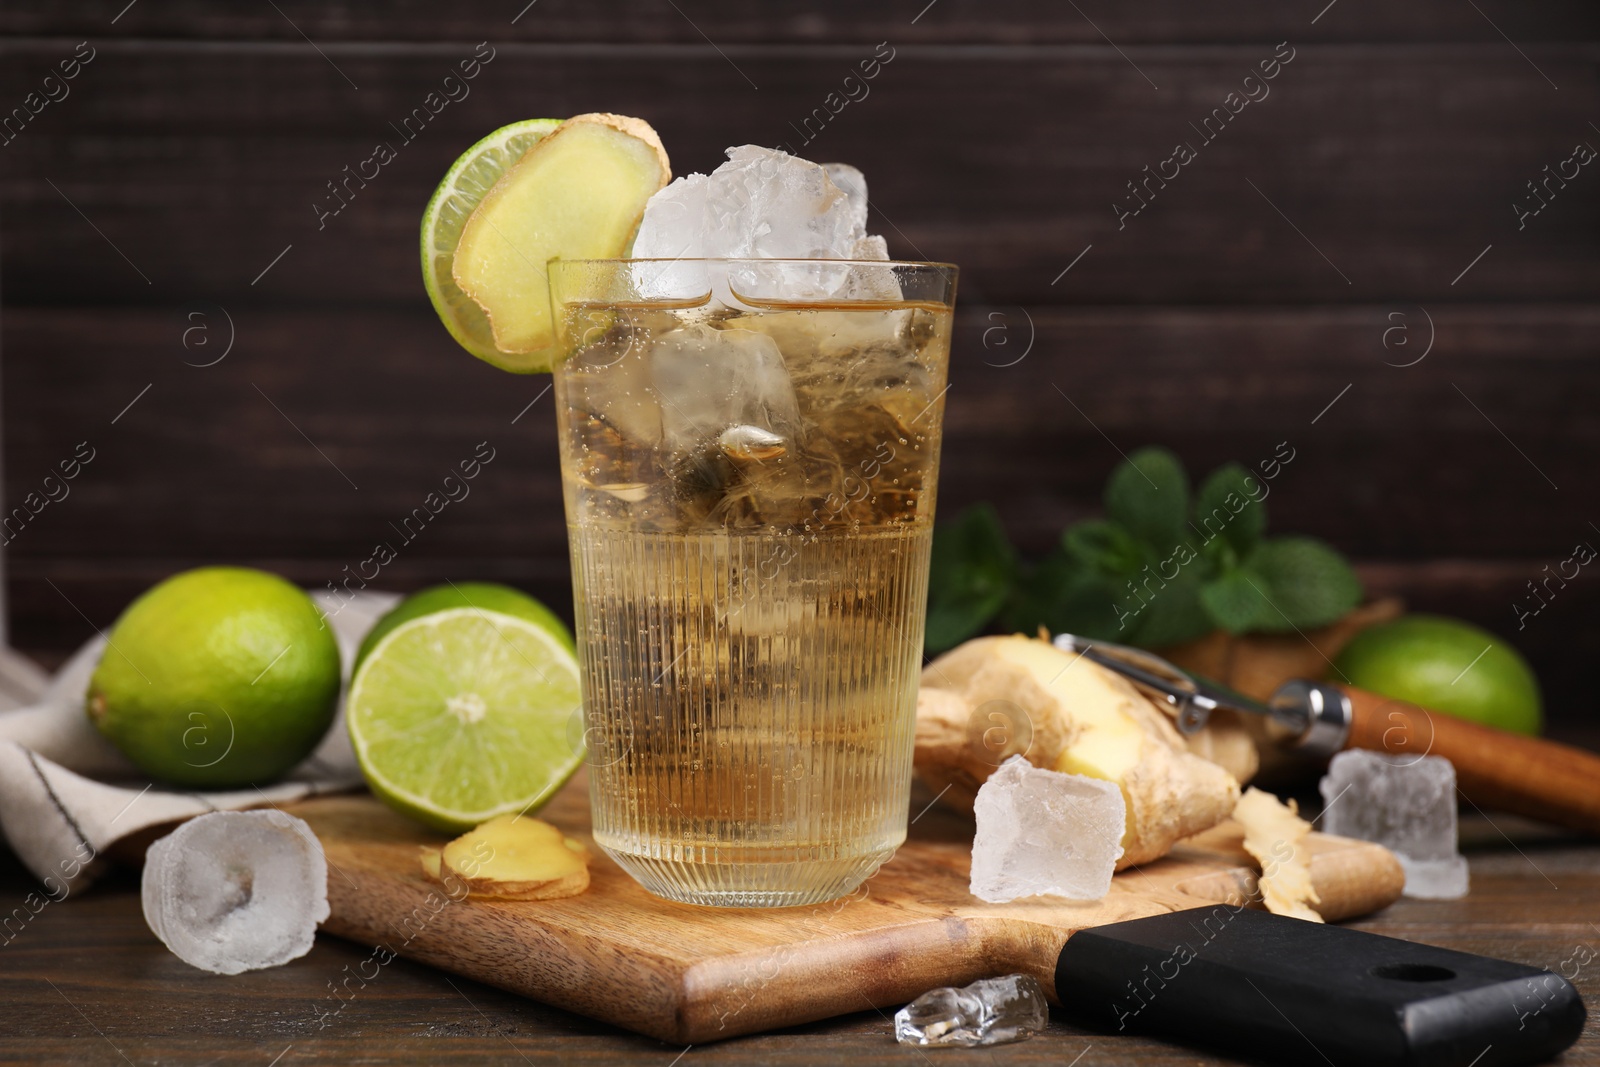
{"x":1494,"y":769}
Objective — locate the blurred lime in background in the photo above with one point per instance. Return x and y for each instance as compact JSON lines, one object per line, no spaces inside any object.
{"x":1447,"y":666}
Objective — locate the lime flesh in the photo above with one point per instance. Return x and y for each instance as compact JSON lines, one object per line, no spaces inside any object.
{"x":465,"y":714}
{"x":464,"y":186}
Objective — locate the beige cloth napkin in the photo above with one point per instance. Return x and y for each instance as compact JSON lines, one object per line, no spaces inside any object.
{"x":66,"y":794}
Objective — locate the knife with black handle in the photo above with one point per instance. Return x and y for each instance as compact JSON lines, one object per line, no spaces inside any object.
{"x":1280,"y":990}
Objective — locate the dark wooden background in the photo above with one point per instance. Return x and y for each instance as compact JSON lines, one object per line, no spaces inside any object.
{"x":1222,"y":320}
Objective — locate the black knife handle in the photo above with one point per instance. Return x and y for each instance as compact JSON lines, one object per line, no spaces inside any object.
{"x":1289,"y":991}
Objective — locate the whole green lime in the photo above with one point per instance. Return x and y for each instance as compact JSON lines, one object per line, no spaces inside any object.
{"x":220,"y":677}
{"x":488,"y":596}
{"x":1448,"y":666}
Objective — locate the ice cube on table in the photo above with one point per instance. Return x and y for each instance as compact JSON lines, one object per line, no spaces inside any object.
{"x":1044,"y":832}
{"x":1447,"y":879}
{"x":993,"y":1011}
{"x":1407,"y":804}
{"x":236,"y":891}
{"x":709,"y":381}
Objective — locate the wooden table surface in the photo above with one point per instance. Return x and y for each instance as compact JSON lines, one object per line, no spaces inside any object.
{"x":85,"y":982}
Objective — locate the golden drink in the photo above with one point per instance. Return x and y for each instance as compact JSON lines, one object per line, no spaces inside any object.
{"x":749,"y":486}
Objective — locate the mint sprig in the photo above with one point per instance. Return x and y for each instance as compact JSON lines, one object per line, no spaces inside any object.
{"x":1162,"y":567}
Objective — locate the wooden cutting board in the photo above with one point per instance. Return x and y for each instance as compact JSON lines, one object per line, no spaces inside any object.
{"x":689,"y":974}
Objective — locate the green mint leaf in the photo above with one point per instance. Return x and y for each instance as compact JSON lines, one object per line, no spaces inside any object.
{"x":1229,"y":507}
{"x":1312,"y":585}
{"x":1217,"y":557}
{"x":1158,"y":614}
{"x":1238,"y":601}
{"x":1104,"y":547}
{"x":1063,"y":596}
{"x":1149,"y":495}
{"x":970,"y":576}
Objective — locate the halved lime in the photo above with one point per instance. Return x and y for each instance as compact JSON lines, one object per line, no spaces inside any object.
{"x":463,"y":187}
{"x":466,"y":714}
{"x":490,"y":596}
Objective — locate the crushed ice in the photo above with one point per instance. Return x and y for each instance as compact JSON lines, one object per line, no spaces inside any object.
{"x":711,"y":382}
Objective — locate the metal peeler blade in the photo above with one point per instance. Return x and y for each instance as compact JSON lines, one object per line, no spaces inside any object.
{"x":1317,"y":716}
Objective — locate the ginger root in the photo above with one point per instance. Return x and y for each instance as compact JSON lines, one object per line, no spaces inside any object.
{"x":1228,"y":741}
{"x":995,"y":697}
{"x":511,"y":857}
{"x":1275,"y":835}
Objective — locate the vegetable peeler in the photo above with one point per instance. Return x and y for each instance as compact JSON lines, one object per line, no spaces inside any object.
{"x":1525,"y":775}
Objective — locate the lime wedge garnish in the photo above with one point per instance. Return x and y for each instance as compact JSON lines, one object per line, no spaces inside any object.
{"x":469,"y":179}
{"x":466,"y":714}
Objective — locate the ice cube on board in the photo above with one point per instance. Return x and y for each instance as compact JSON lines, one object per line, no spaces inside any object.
{"x":1044,"y":832}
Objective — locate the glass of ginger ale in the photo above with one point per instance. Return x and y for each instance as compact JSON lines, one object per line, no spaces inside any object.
{"x":749,"y":450}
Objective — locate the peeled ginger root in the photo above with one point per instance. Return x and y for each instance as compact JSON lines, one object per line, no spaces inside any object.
{"x":511,"y":857}
{"x":995,"y":697}
{"x":1274,"y":833}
